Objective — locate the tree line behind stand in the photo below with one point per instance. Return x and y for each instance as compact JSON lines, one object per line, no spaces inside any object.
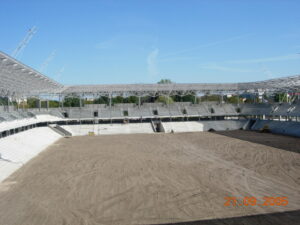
{"x":74,"y":101}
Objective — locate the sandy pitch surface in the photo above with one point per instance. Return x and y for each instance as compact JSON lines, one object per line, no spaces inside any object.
{"x":152,"y":178}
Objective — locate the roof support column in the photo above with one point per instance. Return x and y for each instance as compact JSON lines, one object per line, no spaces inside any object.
{"x":17,"y":102}
{"x":39,"y":104}
{"x":139,"y":101}
{"x":7,"y":104}
{"x":110,"y":100}
{"x":23,"y":103}
{"x":59,"y":101}
{"x":168,"y":100}
{"x":62,"y":101}
{"x":80,"y":102}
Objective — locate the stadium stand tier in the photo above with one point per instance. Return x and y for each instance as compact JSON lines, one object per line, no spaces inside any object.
{"x":18,"y":149}
{"x":27,"y":130}
{"x":20,"y":82}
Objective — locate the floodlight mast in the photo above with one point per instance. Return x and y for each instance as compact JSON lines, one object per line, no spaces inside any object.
{"x":47,"y":61}
{"x":24,"y":42}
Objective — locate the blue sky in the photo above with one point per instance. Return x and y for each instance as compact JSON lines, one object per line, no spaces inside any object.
{"x":89,"y":42}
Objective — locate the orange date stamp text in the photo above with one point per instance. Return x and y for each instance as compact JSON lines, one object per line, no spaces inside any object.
{"x":253,"y":201}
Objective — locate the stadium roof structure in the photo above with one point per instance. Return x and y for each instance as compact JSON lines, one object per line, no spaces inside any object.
{"x":286,"y":84}
{"x":17,"y":79}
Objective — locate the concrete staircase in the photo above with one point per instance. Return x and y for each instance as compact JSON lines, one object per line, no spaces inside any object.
{"x":58,"y":129}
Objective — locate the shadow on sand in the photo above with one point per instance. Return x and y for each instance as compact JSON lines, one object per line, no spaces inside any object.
{"x":281,"y":218}
{"x":287,"y":143}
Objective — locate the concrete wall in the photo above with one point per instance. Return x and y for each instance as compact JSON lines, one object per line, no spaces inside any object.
{"x":106,"y":129}
{"x":4,"y":108}
{"x":18,"y":149}
{"x":6,"y":125}
{"x":220,"y":125}
{"x":194,"y":126}
{"x":191,"y":126}
{"x":279,"y":127}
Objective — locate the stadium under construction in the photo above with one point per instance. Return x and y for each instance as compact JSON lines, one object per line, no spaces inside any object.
{"x":176,"y":163}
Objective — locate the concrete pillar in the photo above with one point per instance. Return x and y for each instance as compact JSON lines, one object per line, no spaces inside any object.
{"x":59,"y":101}
{"x":38,"y":104}
{"x":109,"y":100}
{"x":139,"y":101}
{"x":23,"y":104}
{"x":17,"y":104}
{"x":7,"y":104}
{"x":47,"y":104}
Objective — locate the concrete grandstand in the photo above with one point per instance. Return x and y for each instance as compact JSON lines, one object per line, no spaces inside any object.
{"x":19,"y":82}
{"x":25,"y":132}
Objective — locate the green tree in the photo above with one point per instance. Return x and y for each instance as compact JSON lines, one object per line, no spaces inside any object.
{"x":71,"y":102}
{"x":88,"y":102}
{"x":280,"y":97}
{"x":53,"y":104}
{"x":164,"y":99}
{"x":188,"y":98}
{"x":165,"y":81}
{"x":32,"y":103}
{"x":3,"y":100}
{"x":210,"y":98}
{"x":117,"y":100}
{"x":233,"y":99}
{"x":102,"y":100}
{"x":131,"y":99}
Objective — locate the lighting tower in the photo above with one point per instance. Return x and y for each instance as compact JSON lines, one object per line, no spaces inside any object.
{"x":47,"y":61}
{"x":24,"y":42}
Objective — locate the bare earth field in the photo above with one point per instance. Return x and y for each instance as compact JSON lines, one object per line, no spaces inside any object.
{"x":156,"y":178}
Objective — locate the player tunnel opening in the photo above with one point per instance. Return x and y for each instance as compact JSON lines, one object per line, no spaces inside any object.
{"x":158,"y":127}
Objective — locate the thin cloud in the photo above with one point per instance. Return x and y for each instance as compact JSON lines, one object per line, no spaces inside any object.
{"x":290,"y":36}
{"x":152,"y":63}
{"x":216,"y":65}
{"x":243,"y":61}
{"x":205,"y":45}
{"x":179,"y":58}
{"x":225,"y":69}
{"x":267,"y":59}
{"x":123,"y":40}
{"x":267,"y":72}
{"x":106,"y":44}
